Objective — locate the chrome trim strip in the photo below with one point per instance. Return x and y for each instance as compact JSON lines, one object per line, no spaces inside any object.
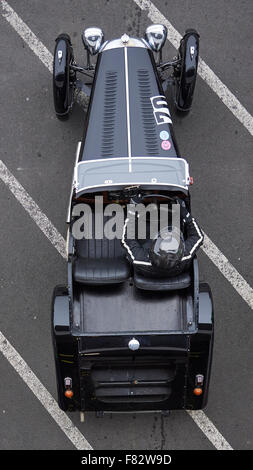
{"x":100,"y":160}
{"x":74,"y":180}
{"x":103,"y":46}
{"x":146,"y":43}
{"x":128,"y":112}
{"x":67,"y":243}
{"x":117,"y":43}
{"x":76,"y":163}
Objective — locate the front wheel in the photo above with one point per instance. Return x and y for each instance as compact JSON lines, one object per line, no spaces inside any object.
{"x":186,"y":72}
{"x":63,"y":77}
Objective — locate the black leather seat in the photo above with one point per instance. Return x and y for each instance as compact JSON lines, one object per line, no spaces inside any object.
{"x":163,"y":284}
{"x":101,"y":271}
{"x":100,"y":261}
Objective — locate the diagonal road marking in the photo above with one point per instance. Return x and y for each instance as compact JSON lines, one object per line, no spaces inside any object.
{"x":241,"y":286}
{"x":204,"y":71}
{"x":208,"y":428}
{"x":36,"y":45}
{"x":226,"y":96}
{"x":46,"y":226}
{"x":21,"y":367}
{"x":45,"y":398}
{"x":209,"y":248}
{"x":33,"y":210}
{"x":27,"y":35}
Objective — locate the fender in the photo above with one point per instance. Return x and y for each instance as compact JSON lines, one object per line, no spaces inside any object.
{"x":189,"y":52}
{"x":201,"y":347}
{"x":65,"y":348}
{"x":62,"y":89}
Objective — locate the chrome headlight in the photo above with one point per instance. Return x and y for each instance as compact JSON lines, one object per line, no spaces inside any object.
{"x":155,"y":36}
{"x":93,"y":39}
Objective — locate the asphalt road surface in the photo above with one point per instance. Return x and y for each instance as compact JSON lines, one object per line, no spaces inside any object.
{"x":39,"y":151}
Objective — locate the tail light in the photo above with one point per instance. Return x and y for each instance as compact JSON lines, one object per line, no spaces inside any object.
{"x":199,"y":380}
{"x":68,"y":387}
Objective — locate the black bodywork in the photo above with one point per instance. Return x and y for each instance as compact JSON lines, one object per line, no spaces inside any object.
{"x":159,"y":376}
{"x":106,"y":132}
{"x":102,"y":309}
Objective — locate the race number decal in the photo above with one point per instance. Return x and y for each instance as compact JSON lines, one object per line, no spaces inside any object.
{"x":161,"y":110}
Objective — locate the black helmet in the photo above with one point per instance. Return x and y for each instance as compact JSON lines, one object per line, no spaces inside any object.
{"x":167,"y":248}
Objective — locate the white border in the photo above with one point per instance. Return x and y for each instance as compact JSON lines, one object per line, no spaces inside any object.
{"x":138,"y":183}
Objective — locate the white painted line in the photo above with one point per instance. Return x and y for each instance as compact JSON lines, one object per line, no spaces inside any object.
{"x":27,"y":35}
{"x":33,"y":210}
{"x":204,"y":71}
{"x":226,"y":96}
{"x":49,"y":403}
{"x":36,"y":46}
{"x":57,"y":240}
{"x":228,"y":270}
{"x":210,"y":249}
{"x":44,"y":224}
{"x":208,"y":428}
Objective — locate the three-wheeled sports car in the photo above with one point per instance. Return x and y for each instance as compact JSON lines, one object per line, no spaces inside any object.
{"x":122,"y":341}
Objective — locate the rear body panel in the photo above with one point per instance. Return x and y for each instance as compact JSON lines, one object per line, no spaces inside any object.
{"x":125,"y":381}
{"x":108,"y":376}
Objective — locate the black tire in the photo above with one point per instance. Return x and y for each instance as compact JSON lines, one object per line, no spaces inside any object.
{"x":186,"y":72}
{"x":63,"y":77}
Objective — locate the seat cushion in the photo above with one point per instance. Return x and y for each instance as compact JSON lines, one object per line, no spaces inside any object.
{"x":101,"y":271}
{"x":100,"y":261}
{"x":182,"y":281}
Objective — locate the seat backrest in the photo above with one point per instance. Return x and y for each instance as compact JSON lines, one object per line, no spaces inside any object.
{"x":99,"y":248}
{"x":94,"y":249}
{"x":100,"y":261}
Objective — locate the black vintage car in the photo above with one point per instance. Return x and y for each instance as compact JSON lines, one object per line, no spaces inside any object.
{"x":123,"y":342}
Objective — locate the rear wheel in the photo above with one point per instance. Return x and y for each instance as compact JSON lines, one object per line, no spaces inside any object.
{"x":186,"y":72}
{"x":63,"y":76}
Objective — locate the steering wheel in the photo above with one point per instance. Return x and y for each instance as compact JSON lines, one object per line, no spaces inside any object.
{"x":136,"y":198}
